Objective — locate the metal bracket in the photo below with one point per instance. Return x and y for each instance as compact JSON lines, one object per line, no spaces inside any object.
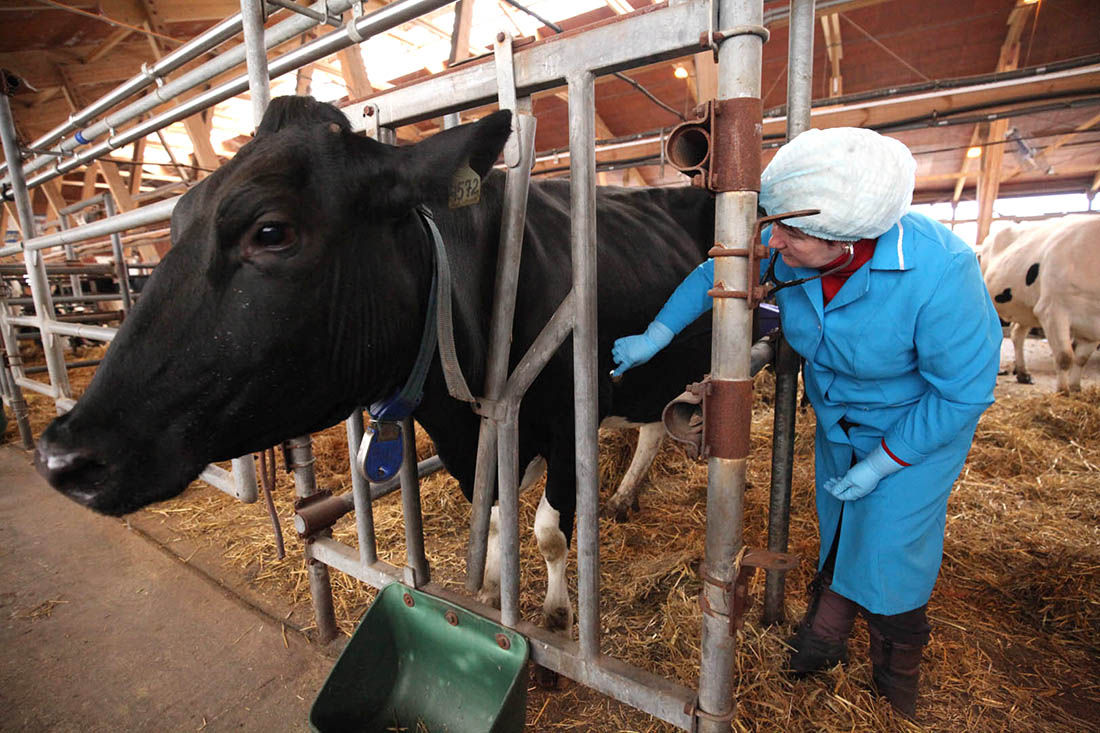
{"x":720,"y":148}
{"x":506,"y":95}
{"x":755,"y":293}
{"x":371,"y":115}
{"x":737,"y":590}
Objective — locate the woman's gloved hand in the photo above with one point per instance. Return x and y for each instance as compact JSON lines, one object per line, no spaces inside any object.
{"x":630,"y":351}
{"x":863,"y":477}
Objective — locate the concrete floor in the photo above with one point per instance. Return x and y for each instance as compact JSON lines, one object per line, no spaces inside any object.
{"x":102,"y":630}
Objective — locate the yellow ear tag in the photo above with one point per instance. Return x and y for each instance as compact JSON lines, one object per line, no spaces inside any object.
{"x":465,"y":188}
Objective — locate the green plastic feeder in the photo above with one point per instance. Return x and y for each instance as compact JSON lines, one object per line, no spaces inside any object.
{"x":421,"y":665}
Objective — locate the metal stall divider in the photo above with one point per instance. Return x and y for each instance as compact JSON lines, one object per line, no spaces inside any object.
{"x":645,"y":36}
{"x":576,"y":59}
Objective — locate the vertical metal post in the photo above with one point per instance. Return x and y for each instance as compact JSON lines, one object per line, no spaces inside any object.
{"x":14,"y":392}
{"x":739,"y":63}
{"x":300,"y":452}
{"x":36,"y":268}
{"x":508,"y":500}
{"x":360,"y":494}
{"x":416,"y":568}
{"x":518,"y":156}
{"x":252,"y":17}
{"x":582,"y":152}
{"x":800,"y":60}
{"x":121,"y":271}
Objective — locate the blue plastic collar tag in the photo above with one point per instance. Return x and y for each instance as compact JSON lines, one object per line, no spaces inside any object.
{"x":381,"y":452}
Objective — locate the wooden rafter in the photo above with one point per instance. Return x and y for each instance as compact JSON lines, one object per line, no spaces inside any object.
{"x":460,"y":36}
{"x":830,"y":27}
{"x":1059,"y":142}
{"x":55,"y":200}
{"x":989,"y":178}
{"x":138,"y":169}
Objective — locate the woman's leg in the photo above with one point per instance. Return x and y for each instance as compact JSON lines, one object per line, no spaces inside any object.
{"x":897,"y":642}
{"x":821,"y":641}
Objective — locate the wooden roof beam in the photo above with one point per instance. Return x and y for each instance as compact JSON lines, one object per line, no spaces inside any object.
{"x":992,"y":168}
{"x":1059,"y":142}
{"x":830,"y":27}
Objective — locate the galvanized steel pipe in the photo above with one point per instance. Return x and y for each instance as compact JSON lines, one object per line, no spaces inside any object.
{"x":259,"y":91}
{"x":36,"y":268}
{"x":582,"y":151}
{"x":739,"y":65}
{"x":800,"y":59}
{"x":379,"y":21}
{"x":225,"y":62}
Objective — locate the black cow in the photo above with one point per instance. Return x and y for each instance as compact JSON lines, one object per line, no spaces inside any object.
{"x":296,"y":290}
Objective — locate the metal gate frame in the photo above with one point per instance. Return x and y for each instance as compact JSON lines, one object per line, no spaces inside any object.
{"x":735,"y":29}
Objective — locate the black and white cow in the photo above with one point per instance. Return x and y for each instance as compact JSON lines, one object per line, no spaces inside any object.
{"x":1048,"y":274}
{"x":296,"y":290}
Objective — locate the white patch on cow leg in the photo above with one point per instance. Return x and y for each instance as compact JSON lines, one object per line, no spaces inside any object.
{"x":557,"y":610}
{"x":535,"y":469}
{"x":625,"y":497}
{"x":490,"y":581}
{"x":1018,"y":334}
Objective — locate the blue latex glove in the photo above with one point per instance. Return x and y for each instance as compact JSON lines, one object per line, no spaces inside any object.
{"x":630,"y":351}
{"x":863,"y":477}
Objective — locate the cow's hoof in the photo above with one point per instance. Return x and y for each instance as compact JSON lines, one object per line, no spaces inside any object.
{"x":1024,"y":378}
{"x":616,"y":510}
{"x":490,"y":597}
{"x":559,"y":619}
{"x":546,"y":679}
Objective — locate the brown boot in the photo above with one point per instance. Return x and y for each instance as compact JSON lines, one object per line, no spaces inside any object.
{"x":822,"y":638}
{"x":895,"y":672}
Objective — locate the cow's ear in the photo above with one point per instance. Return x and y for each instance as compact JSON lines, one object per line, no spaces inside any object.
{"x":299,"y":110}
{"x":423,"y":172}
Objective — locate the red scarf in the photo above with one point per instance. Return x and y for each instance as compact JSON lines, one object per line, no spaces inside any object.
{"x":831,"y":284}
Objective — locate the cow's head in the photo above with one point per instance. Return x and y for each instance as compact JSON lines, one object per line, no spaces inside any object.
{"x":293,"y":292}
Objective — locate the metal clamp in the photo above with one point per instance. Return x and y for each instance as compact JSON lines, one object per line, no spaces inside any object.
{"x":693,"y":711}
{"x":737,"y":590}
{"x":720,"y":148}
{"x":356,"y":14}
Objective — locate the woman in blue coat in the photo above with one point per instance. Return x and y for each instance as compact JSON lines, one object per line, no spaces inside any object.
{"x":901,"y":346}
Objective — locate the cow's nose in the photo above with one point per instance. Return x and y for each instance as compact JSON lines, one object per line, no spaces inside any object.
{"x":74,"y":472}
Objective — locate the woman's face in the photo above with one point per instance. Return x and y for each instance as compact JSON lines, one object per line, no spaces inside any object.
{"x":802,"y":250}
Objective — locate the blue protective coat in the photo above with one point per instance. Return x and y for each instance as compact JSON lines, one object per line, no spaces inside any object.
{"x":908,"y":350}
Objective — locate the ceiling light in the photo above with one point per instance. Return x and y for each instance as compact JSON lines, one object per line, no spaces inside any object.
{"x":680,"y":72}
{"x":620,"y":6}
{"x":974,"y":152}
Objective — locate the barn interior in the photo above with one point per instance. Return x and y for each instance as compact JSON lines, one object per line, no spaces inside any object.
{"x":997,"y":99}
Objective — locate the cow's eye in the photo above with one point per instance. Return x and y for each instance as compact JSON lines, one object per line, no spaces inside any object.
{"x":274,"y":235}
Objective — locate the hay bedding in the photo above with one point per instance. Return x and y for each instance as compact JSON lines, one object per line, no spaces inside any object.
{"x":1016,"y":612}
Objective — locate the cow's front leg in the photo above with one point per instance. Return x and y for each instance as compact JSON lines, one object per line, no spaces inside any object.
{"x":490,"y":581}
{"x":554,"y":545}
{"x":1018,"y":334}
{"x":625,"y":497}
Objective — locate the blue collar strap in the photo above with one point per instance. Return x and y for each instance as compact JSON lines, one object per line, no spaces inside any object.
{"x":380,"y":453}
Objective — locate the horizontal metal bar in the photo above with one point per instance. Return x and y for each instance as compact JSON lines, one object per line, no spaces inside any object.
{"x":69,"y":299}
{"x":380,"y":21}
{"x":34,"y":386}
{"x":201,"y":43}
{"x":225,"y":62}
{"x":151,"y":214}
{"x":81,"y":269}
{"x":663,"y":33}
{"x":39,"y":368}
{"x":95,"y":333}
{"x":636,"y":687}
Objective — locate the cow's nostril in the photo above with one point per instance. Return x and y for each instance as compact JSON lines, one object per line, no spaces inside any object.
{"x":73,"y":471}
